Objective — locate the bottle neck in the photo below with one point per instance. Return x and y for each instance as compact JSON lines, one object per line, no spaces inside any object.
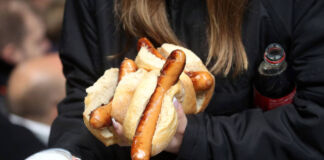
{"x":275,"y":62}
{"x":272,"y":69}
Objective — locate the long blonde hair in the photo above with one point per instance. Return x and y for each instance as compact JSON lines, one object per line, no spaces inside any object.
{"x":226,"y":51}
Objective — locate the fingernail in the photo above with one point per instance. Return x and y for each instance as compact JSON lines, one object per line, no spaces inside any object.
{"x":114,"y":122}
{"x":176,"y":103}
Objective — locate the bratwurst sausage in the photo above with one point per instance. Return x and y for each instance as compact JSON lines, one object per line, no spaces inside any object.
{"x":144,"y":42}
{"x":169,"y":75}
{"x":127,"y":66}
{"x":201,"y":80}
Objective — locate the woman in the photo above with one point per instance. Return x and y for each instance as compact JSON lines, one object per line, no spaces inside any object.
{"x":231,"y":36}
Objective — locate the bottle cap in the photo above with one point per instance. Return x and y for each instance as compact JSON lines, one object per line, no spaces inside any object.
{"x":274,"y":54}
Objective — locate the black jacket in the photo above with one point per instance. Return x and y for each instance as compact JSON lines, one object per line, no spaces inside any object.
{"x":230,"y":128}
{"x":16,"y":142}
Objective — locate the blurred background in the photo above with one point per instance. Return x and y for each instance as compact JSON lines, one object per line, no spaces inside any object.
{"x":31,"y":77}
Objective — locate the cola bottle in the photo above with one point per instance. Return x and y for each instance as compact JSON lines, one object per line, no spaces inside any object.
{"x":274,"y":84}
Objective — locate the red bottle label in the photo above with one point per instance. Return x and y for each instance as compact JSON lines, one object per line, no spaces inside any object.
{"x":267,"y":103}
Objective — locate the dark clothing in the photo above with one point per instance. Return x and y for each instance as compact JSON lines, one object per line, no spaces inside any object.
{"x":230,"y":127}
{"x":3,"y":107}
{"x":17,"y":142}
{"x":5,"y":70}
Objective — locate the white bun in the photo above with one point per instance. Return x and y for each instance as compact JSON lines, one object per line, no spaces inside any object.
{"x":167,"y":122}
{"x":147,"y":60}
{"x":193,"y":62}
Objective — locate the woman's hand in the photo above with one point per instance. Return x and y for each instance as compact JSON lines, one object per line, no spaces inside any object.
{"x":176,"y":141}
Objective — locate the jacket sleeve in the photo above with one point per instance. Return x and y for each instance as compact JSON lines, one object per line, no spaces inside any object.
{"x":80,"y":56}
{"x":293,"y":131}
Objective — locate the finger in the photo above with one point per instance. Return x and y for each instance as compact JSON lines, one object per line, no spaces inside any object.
{"x":179,"y":108}
{"x":122,"y":140}
{"x":75,"y":158}
{"x":118,"y":127}
{"x":176,"y":103}
{"x":180,"y":111}
{"x":181,"y":116}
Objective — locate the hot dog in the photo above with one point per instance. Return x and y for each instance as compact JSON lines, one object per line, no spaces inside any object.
{"x":101,"y":117}
{"x":170,"y":73}
{"x":194,"y":64}
{"x":202,"y":81}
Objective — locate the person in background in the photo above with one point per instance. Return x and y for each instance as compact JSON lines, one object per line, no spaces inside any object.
{"x":35,"y":88}
{"x":53,"y":19}
{"x":41,"y":6}
{"x":22,"y":37}
{"x":51,"y":12}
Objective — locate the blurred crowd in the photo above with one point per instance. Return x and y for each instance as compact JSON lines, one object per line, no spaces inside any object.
{"x":31,"y":77}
